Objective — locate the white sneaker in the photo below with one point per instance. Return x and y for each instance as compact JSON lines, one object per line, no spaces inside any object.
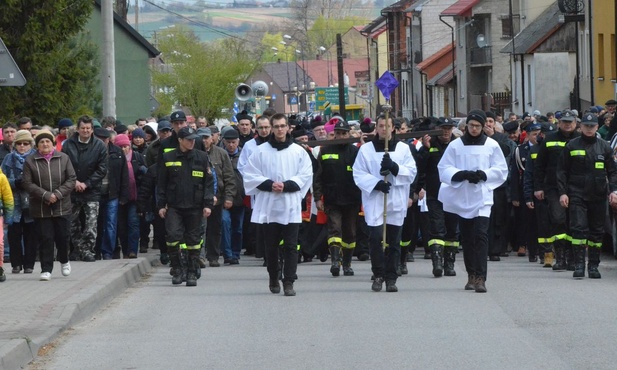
{"x":45,"y":276}
{"x":66,"y":269}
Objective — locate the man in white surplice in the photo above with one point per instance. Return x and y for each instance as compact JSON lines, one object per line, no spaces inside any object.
{"x":470,"y":169}
{"x":279,"y":174}
{"x":399,"y":168}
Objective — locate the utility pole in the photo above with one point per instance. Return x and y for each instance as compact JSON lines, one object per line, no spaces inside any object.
{"x":341,"y":77}
{"x":137,"y":15}
{"x":109,"y":64}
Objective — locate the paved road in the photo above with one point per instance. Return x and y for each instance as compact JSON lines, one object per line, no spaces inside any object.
{"x":531,"y":318}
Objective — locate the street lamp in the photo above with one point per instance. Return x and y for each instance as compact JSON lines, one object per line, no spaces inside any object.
{"x":282,"y":42}
{"x":323,"y":49}
{"x":298,"y":92}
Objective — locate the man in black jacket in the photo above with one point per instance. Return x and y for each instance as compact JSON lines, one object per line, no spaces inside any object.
{"x":545,"y":187}
{"x":443,"y":234}
{"x":341,"y":198}
{"x":114,"y":191}
{"x":498,"y":224}
{"x":89,"y":158}
{"x":185,"y":195}
{"x":585,"y":174}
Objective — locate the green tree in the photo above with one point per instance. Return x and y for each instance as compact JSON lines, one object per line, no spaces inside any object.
{"x":60,"y":65}
{"x":201,"y":77}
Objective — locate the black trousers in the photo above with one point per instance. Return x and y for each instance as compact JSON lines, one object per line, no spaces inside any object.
{"x":213,"y":233}
{"x":529,"y":229}
{"x":498,"y":224}
{"x":558,"y":217}
{"x":249,"y":234}
{"x":184,"y":226}
{"x":420,"y":228}
{"x":587,"y":220}
{"x":409,"y":228}
{"x":158,"y":229}
{"x":544,"y":229}
{"x":144,"y":232}
{"x":474,"y":237}
{"x":22,"y":232}
{"x":362,"y":240}
{"x":385,"y":261}
{"x":443,"y":225}
{"x":273,"y":234}
{"x":342,"y":224}
{"x":50,"y":231}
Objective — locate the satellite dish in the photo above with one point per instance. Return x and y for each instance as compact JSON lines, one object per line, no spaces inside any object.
{"x":481,"y":41}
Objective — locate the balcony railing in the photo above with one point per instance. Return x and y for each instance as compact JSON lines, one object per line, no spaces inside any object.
{"x":480,"y":56}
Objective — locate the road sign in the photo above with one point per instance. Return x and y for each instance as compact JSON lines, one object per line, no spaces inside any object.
{"x":328,"y":94}
{"x":293,"y":100}
{"x":325,"y":105}
{"x":273,"y":96}
{"x":10,"y":75}
{"x":311,"y":105}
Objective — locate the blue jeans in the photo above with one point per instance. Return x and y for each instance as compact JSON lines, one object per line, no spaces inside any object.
{"x":110,"y":226}
{"x":128,"y":228}
{"x":231,"y":232}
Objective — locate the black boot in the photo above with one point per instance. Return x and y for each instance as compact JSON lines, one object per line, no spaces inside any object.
{"x":570,"y":257}
{"x":192,"y":266}
{"x":449,"y":256}
{"x":174,"y":262}
{"x":579,"y":261}
{"x":410,"y":257}
{"x":183,"y":263}
{"x":288,"y":288}
{"x":274,"y":286}
{"x":560,"y":258}
{"x":335,"y":259}
{"x":347,"y":254}
{"x":437,"y":257}
{"x":427,"y":253}
{"x":471,"y":282}
{"x":594,"y":262}
{"x":403,"y":264}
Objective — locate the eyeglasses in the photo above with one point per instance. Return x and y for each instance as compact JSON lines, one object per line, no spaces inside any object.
{"x":279,"y":127}
{"x":23,"y":143}
{"x":263,"y":128}
{"x":474,"y":126}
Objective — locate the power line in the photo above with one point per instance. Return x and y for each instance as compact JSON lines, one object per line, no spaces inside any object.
{"x":202,"y":24}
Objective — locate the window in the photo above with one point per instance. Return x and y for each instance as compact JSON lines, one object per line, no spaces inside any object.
{"x":509,"y":27}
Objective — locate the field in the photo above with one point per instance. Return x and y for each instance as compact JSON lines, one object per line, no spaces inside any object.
{"x":231,"y":21}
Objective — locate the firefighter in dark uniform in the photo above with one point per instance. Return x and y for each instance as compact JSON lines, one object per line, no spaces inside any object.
{"x":545,"y":187}
{"x":523,"y":215}
{"x":185,"y":195}
{"x":538,"y":219}
{"x":585,"y":165}
{"x":178,"y":121}
{"x":443,"y":235}
{"x":341,"y":198}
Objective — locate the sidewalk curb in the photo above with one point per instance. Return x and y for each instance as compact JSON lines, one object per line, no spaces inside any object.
{"x":16,"y":353}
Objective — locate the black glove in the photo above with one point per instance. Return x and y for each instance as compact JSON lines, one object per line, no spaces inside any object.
{"x":473,"y":177}
{"x":383,"y":186}
{"x":388,"y":165}
{"x":482,"y":175}
{"x":461,"y":176}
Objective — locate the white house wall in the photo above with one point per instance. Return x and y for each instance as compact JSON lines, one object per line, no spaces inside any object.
{"x":552,"y":93}
{"x":436,"y":35}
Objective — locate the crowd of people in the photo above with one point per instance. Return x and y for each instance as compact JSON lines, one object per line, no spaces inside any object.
{"x":289,"y":190}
